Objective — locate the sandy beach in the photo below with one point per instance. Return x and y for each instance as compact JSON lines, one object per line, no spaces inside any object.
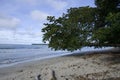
{"x":92,"y":66}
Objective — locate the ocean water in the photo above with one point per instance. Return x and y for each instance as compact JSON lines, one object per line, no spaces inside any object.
{"x":13,"y":54}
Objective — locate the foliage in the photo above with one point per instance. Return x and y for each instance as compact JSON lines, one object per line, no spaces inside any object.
{"x":110,"y":34}
{"x":104,"y":7}
{"x":72,"y":28}
{"x":84,"y":26}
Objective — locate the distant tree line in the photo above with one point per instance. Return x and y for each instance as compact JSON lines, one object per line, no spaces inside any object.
{"x":85,"y":26}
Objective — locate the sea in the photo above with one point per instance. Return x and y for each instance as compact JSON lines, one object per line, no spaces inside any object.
{"x":11,"y":54}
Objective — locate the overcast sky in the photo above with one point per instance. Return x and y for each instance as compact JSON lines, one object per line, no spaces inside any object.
{"x":21,"y":21}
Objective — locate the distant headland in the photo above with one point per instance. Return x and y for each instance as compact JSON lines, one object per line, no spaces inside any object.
{"x":39,"y":44}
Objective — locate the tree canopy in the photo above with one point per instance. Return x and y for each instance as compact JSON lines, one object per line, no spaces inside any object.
{"x":85,"y":26}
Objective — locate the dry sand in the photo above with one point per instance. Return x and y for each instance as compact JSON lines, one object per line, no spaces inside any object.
{"x":93,"y":66}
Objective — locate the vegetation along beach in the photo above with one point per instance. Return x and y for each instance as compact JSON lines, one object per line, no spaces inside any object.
{"x":60,"y":40}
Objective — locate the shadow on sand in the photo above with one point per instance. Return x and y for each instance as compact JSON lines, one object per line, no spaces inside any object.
{"x":113,"y":58}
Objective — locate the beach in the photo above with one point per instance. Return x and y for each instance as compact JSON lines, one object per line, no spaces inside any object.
{"x":95,"y":65}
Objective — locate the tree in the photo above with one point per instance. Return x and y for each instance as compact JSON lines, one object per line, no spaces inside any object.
{"x":71,"y":31}
{"x":84,"y":26}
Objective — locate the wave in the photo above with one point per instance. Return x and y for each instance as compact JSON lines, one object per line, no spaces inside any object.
{"x":16,"y":46}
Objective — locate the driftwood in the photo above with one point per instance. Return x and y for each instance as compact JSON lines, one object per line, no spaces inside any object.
{"x":53,"y":75}
{"x":38,"y":77}
{"x":49,"y":75}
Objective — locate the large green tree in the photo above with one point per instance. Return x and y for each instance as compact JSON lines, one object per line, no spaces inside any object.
{"x":71,"y":31}
{"x":84,"y":26}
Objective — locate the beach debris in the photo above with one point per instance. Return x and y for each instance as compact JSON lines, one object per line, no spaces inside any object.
{"x":38,"y":77}
{"x":53,"y":75}
{"x":47,"y":74}
{"x":20,"y":71}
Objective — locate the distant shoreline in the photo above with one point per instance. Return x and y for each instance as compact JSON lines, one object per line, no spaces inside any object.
{"x":39,"y":44}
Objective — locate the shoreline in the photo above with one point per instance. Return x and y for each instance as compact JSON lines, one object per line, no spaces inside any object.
{"x":53,"y":56}
{"x":34,"y":60}
{"x":73,"y":67}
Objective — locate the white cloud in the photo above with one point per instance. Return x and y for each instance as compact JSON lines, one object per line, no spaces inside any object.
{"x":57,"y":4}
{"x":9,"y":22}
{"x":26,"y":37}
{"x":6,"y":34}
{"x":39,"y":15}
{"x":19,"y":37}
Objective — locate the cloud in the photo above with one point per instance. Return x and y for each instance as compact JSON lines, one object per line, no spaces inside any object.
{"x":25,"y":37}
{"x":39,"y":15}
{"x":19,"y":37}
{"x":8,"y":22}
{"x":6,"y":34}
{"x":57,"y":4}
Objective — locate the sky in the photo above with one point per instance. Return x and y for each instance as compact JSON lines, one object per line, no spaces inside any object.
{"x":21,"y":21}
